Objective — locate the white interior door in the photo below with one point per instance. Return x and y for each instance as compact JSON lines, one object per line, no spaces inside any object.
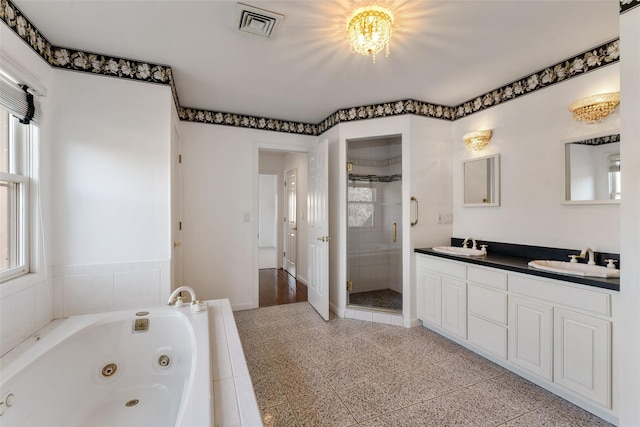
{"x":290,"y":251}
{"x":176,"y":210}
{"x":318,"y":229}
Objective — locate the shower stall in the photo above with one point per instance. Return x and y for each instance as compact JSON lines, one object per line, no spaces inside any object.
{"x":374,"y":225}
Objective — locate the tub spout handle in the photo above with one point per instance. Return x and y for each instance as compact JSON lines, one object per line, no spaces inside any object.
{"x":177,"y":299}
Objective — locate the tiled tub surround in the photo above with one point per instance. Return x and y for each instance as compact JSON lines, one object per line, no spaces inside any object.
{"x":553,"y":329}
{"x":345,"y":372}
{"x":512,"y":257}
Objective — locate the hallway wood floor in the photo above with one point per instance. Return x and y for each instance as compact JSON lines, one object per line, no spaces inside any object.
{"x":279,"y":287}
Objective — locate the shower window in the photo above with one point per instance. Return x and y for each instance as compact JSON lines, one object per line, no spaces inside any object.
{"x":361,"y":206}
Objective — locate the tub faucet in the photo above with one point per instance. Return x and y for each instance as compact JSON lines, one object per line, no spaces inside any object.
{"x":465,"y":244}
{"x":583,"y":254}
{"x":175,"y":299}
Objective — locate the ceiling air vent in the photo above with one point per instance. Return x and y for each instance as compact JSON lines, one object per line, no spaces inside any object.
{"x":258,"y":21}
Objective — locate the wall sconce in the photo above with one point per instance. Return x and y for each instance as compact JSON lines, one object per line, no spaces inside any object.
{"x":477,"y":140}
{"x":369,"y":30}
{"x":595,"y":108}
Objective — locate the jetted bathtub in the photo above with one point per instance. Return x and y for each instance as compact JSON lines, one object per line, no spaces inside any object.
{"x":128,"y":368}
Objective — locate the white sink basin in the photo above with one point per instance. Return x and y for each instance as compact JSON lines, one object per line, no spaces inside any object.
{"x":455,"y":250}
{"x":575,"y":269}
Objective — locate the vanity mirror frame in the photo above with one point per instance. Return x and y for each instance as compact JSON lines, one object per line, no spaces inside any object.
{"x":567,"y":167}
{"x":492,"y":180}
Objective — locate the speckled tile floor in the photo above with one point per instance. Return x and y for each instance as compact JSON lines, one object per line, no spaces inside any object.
{"x":308,"y":372}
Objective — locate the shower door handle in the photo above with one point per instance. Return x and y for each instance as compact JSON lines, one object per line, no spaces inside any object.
{"x":395,"y":229}
{"x":413,"y":199}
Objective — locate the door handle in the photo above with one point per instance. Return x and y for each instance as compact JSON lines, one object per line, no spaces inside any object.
{"x":413,"y":223}
{"x":324,"y":238}
{"x":395,"y":229}
{"x":177,"y":244}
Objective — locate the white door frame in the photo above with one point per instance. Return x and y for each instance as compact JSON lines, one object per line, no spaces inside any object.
{"x":176,"y":209}
{"x":257,"y":147}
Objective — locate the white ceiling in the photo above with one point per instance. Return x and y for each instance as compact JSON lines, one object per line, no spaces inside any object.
{"x":442,"y":52}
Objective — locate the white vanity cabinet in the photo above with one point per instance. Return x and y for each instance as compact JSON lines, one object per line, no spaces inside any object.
{"x":442,"y":294}
{"x":531,"y":336}
{"x":555,"y":333}
{"x":487,"y":310}
{"x":573,"y":334}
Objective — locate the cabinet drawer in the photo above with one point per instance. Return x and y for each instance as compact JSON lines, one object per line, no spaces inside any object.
{"x":566,"y":295}
{"x":448,"y":268}
{"x":487,"y":277}
{"x":488,"y":304}
{"x":488,"y":336}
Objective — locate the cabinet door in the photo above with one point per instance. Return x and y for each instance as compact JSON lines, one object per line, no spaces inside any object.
{"x":428,"y":293}
{"x":454,"y":306}
{"x":582,"y":355}
{"x":530,"y":336}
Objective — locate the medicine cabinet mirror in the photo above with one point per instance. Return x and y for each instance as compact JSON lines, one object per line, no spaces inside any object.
{"x":592,"y":170}
{"x":481,"y":178}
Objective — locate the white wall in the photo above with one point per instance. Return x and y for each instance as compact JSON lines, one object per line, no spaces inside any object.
{"x":26,"y":303}
{"x":529,"y":134}
{"x":111,"y":186}
{"x":220,"y":207}
{"x":626,"y":337}
{"x":268,"y":209}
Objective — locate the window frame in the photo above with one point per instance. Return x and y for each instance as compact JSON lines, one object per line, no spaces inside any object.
{"x":371,"y":203}
{"x":20,"y":162}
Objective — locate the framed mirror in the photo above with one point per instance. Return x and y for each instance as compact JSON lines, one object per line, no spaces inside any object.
{"x":481,"y":180}
{"x":592,"y":170}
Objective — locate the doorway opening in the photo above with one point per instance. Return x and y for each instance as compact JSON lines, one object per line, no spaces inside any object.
{"x":374,"y":223}
{"x":281,"y":231}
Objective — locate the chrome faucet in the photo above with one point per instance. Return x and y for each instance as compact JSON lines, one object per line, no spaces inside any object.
{"x":583,"y":254}
{"x":176,"y":299}
{"x":465,"y":243}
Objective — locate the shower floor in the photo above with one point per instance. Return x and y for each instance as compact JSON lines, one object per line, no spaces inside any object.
{"x":381,"y":298}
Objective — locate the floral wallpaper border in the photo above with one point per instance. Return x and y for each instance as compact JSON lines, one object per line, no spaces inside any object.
{"x":100,"y":64}
{"x":607,"y":139}
{"x":626,"y":5}
{"x":239,"y":120}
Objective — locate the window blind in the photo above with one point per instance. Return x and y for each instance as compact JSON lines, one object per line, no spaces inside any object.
{"x":19,"y":101}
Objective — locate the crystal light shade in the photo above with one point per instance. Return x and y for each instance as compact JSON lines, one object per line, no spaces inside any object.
{"x":477,"y":140}
{"x":369,"y":30}
{"x":595,"y":108}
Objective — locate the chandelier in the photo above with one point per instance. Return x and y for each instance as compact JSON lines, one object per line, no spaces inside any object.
{"x":369,"y":30}
{"x":477,"y":140}
{"x":595,"y":108}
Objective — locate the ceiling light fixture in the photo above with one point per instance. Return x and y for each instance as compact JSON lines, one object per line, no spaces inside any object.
{"x":369,"y":30}
{"x":595,"y":108}
{"x":477,"y":140}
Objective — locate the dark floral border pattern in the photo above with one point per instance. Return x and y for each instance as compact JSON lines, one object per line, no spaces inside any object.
{"x":251,"y":122}
{"x":587,"y":61}
{"x":95,"y":63}
{"x":387,"y":109}
{"x":608,"y":139}
{"x":627,"y":5}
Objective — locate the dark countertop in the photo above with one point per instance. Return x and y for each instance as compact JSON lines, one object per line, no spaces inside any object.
{"x":520,"y":265}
